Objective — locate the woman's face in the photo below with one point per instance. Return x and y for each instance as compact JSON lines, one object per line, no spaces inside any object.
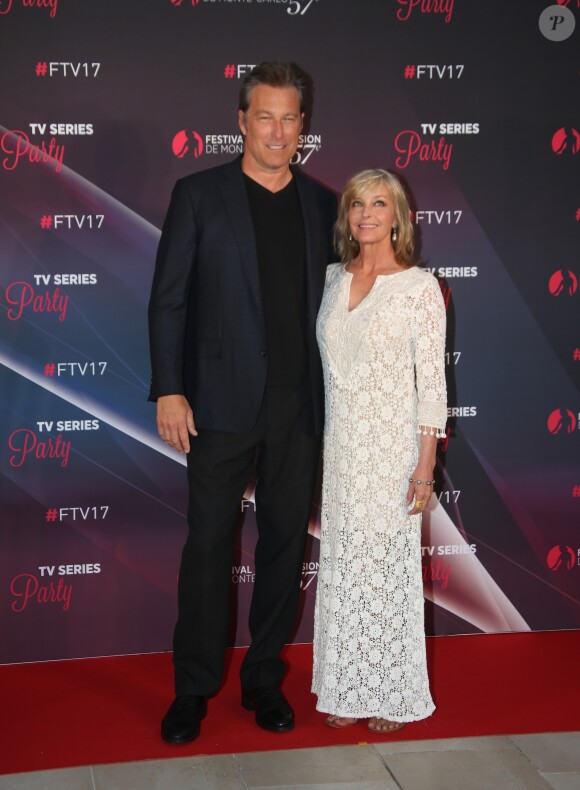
{"x":371,"y":215}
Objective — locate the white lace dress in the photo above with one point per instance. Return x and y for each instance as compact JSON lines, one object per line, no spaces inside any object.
{"x":384,"y":374}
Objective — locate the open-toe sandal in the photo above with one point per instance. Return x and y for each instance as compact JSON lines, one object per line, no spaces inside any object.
{"x":340,"y":722}
{"x":393,"y":726}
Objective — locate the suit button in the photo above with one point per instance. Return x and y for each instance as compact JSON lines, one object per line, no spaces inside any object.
{"x":263,"y":353}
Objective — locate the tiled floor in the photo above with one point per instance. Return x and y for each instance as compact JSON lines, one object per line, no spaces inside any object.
{"x":525,"y":762}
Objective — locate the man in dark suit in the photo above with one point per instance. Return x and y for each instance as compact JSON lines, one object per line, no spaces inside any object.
{"x":236,"y":375}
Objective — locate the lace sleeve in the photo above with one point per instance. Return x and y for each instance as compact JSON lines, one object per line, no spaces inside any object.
{"x":333,"y":270}
{"x":430,"y":361}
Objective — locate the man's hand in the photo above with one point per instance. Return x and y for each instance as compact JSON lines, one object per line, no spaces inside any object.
{"x":175,"y":421}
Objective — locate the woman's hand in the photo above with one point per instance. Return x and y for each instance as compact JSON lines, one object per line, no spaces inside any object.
{"x":420,"y":490}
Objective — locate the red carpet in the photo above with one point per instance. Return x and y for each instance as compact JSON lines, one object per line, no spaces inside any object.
{"x":107,"y":710}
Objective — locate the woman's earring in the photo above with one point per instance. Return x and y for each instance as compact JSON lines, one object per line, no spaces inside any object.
{"x":394,"y":233}
{"x":350,"y":237}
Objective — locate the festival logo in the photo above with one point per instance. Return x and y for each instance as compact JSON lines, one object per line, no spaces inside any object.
{"x":561,"y":558}
{"x":563,"y":282}
{"x":562,"y":421}
{"x":566,"y":139}
{"x":185,"y":141}
{"x":216,"y":144}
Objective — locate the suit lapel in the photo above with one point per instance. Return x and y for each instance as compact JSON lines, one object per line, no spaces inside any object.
{"x":314,"y":273}
{"x":237,"y":208}
{"x":235,"y":199}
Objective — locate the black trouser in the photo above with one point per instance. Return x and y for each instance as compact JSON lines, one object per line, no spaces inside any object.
{"x":219,"y":468}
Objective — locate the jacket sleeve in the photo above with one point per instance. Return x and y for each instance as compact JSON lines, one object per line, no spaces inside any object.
{"x":169,"y":299}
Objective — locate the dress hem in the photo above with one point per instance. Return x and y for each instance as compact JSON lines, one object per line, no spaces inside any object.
{"x":343,"y":713}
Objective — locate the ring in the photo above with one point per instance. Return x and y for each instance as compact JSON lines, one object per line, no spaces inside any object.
{"x":418,"y":503}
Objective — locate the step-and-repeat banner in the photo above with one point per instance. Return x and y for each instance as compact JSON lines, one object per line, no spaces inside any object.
{"x":103,"y":106}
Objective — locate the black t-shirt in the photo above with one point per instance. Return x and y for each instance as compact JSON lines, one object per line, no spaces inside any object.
{"x":280,"y":245}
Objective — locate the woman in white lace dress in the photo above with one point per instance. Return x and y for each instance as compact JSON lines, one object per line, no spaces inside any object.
{"x":381,"y":331}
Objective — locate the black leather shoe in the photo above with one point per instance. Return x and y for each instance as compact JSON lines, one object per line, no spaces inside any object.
{"x":273,"y":712}
{"x":182,"y":721}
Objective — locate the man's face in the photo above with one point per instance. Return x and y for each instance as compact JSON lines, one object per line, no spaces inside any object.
{"x":271,"y":127}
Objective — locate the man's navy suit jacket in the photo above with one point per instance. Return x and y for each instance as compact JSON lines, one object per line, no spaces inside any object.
{"x":206,"y":322}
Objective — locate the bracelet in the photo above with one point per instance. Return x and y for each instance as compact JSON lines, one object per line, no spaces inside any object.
{"x":420,"y":482}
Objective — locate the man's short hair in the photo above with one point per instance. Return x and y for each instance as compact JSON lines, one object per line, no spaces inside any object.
{"x":277,"y":75}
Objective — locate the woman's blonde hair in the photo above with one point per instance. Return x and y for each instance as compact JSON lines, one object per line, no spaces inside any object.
{"x":360,"y":184}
